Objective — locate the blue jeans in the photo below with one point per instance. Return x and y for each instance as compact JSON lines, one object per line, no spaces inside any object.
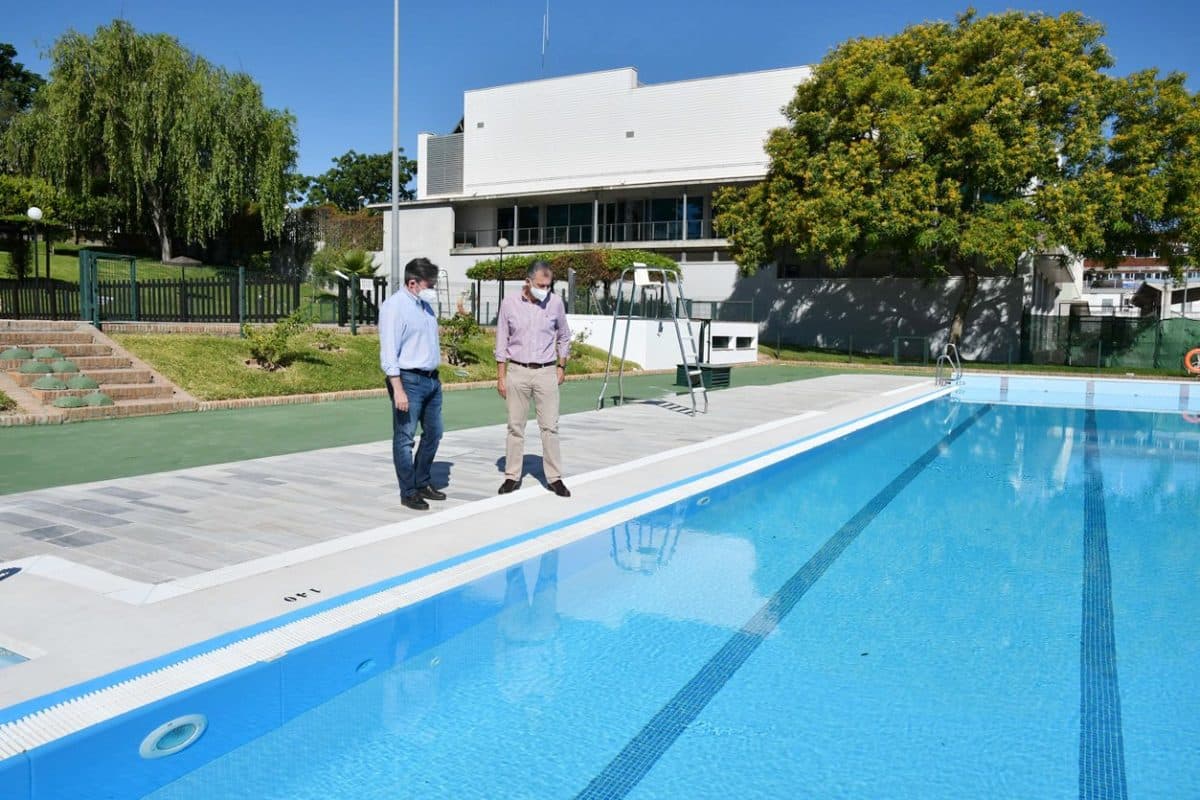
{"x":424,"y":406}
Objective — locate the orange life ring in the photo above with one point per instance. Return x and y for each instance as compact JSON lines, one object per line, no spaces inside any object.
{"x":1191,"y":361}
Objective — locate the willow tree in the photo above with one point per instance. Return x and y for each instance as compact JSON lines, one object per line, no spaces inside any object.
{"x":956,"y":148}
{"x":181,"y":143}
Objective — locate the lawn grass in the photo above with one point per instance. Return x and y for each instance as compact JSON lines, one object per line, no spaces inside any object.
{"x":65,"y":267}
{"x":214,"y":368}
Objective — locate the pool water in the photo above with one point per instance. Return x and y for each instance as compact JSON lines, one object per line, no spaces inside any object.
{"x":966,"y":600}
{"x":8,"y":658}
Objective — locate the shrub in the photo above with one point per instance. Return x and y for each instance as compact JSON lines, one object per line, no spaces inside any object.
{"x":591,"y":266}
{"x":325,"y":340}
{"x":271,"y":346}
{"x":19,"y":261}
{"x":352,"y":262}
{"x":456,"y":332}
{"x":578,"y":342}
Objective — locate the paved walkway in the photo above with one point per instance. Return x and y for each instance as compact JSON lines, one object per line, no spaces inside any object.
{"x":161,"y":527}
{"x":56,"y":455}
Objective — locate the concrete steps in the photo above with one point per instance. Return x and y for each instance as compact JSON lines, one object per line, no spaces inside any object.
{"x":90,"y":363}
{"x":69,"y":349}
{"x":108,"y":377}
{"x":83,"y":362}
{"x":29,"y":378}
{"x":25,"y":338}
{"x":134,"y":387}
{"x":117,"y":391}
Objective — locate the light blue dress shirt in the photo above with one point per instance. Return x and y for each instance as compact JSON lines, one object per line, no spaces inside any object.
{"x":408,"y":334}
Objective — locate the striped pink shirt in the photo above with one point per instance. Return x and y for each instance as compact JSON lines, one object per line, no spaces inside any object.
{"x":532,"y":333}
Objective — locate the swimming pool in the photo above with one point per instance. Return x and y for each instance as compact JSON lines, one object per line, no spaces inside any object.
{"x":967,"y":599}
{"x":8,"y":657}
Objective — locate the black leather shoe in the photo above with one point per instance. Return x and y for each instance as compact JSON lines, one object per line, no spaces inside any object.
{"x":559,"y":488}
{"x":509,"y":485}
{"x":430,"y":493}
{"x":416,"y":503}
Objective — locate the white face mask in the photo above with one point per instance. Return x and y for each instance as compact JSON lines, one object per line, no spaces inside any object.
{"x":428,"y":295}
{"x":538,"y":293}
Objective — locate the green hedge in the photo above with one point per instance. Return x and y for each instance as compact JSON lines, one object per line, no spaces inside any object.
{"x":591,"y":266}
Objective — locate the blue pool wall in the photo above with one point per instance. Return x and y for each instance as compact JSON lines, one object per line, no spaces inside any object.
{"x":1133,"y":395}
{"x":103,"y":761}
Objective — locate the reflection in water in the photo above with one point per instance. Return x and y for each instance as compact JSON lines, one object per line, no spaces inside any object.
{"x":529,"y":661}
{"x":643,"y":546}
{"x":1142,"y":454}
{"x":409,"y":691}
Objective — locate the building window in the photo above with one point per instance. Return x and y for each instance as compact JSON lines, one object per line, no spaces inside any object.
{"x":504,"y":224}
{"x":529,"y":225}
{"x":528,"y":229}
{"x":666,"y":217}
{"x":695,"y":218}
{"x":569,"y":223}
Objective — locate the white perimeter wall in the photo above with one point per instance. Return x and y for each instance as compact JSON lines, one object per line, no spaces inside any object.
{"x":868,"y":313}
{"x":651,"y":345}
{"x":570,"y":132}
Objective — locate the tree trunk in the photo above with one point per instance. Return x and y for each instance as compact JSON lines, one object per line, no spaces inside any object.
{"x":158,"y":216}
{"x":164,"y":241}
{"x":970,"y":287}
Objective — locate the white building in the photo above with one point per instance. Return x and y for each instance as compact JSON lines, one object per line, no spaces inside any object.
{"x":601,"y":159}
{"x":591,"y":160}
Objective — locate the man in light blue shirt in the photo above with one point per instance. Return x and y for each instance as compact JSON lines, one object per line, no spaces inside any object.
{"x":409,"y":354}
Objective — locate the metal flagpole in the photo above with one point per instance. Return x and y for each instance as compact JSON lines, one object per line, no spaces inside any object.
{"x":395,"y":221}
{"x":545,"y":35}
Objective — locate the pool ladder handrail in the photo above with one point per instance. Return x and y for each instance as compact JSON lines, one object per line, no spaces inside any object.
{"x":950,"y":360}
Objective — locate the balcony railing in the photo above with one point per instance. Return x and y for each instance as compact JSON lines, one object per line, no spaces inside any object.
{"x":670,"y":231}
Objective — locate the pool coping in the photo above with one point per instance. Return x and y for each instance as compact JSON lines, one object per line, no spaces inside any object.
{"x":45,"y":717}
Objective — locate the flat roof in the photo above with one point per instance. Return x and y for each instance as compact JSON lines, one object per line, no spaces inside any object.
{"x":639,"y":84}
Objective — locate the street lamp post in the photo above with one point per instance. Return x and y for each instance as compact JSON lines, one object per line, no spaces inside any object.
{"x":503,"y":243}
{"x":35,"y":214}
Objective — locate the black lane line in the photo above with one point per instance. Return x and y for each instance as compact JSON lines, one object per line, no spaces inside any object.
{"x":648,"y":746}
{"x":1101,"y":748}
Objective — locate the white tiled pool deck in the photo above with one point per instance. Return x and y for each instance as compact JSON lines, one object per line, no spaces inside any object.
{"x":118,"y":572}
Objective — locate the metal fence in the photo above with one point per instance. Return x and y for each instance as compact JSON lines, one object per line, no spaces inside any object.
{"x":38,"y":298}
{"x":111,"y":289}
{"x":1109,"y":341}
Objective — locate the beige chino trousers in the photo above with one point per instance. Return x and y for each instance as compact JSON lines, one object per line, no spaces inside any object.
{"x":522,"y":385}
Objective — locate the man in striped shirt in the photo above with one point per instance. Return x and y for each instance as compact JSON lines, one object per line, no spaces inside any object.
{"x":533,"y":342}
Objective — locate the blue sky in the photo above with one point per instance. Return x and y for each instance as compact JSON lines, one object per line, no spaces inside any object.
{"x":330,"y":63}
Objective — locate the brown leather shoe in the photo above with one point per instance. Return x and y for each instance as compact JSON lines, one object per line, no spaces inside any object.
{"x":559,"y":488}
{"x":509,"y":485}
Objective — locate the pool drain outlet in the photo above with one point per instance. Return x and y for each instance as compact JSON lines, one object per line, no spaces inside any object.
{"x":172,"y":737}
